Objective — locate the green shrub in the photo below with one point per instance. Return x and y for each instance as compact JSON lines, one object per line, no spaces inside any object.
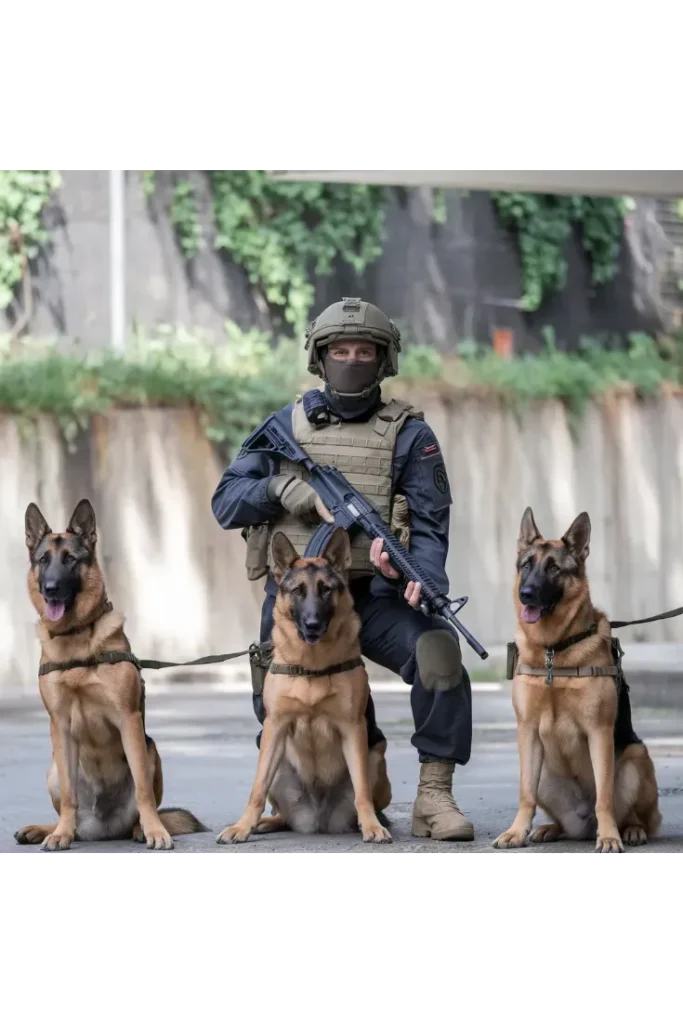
{"x":233,"y":385}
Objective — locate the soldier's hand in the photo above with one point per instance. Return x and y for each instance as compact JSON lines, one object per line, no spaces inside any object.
{"x":380,"y":560}
{"x":299,"y":498}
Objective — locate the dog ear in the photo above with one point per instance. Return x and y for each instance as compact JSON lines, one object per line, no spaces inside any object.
{"x":577,"y":538}
{"x":284,"y":556}
{"x":82,"y":523}
{"x":338,"y":550}
{"x":528,"y":532}
{"x":36,"y":527}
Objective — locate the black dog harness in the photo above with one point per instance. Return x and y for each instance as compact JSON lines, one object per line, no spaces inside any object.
{"x":580,"y":671}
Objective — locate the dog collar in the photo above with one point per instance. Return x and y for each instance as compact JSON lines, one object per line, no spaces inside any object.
{"x":300,"y":670}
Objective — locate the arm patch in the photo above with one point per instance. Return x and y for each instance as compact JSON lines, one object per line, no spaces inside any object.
{"x":435,"y":480}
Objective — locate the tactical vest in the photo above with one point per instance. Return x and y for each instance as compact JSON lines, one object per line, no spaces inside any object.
{"x":364,"y":453}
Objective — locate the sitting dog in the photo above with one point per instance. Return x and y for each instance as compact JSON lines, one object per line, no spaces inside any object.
{"x":105,"y":779}
{"x":580,"y":760}
{"x":314,"y":764}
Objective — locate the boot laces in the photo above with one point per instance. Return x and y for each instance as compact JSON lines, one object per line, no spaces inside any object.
{"x":441,"y":796}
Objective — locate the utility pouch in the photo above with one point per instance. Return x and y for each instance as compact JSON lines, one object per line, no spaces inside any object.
{"x":260,"y":657}
{"x":512,"y":659}
{"x":400,"y":520}
{"x":256,"y":559}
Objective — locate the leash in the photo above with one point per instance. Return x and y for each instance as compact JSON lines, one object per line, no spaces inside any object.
{"x":580,"y":671}
{"x":113,"y":657}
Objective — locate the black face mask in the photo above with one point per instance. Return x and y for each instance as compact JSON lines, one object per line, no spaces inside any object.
{"x":349,"y":378}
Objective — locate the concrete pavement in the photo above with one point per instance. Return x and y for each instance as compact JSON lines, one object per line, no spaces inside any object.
{"x":205,"y":734}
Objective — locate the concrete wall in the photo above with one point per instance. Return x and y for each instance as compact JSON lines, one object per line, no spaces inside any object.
{"x":443,"y":283}
{"x":180,"y":580}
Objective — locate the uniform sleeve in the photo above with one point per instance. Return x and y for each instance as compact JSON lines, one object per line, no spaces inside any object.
{"x":420,"y":474}
{"x":241,"y":497}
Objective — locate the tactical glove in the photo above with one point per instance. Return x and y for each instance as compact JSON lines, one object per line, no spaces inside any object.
{"x":299,"y":498}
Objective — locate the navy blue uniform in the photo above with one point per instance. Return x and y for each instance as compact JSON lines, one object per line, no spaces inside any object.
{"x":390,"y":627}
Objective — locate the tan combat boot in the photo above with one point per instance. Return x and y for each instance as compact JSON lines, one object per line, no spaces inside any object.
{"x":435,"y":812}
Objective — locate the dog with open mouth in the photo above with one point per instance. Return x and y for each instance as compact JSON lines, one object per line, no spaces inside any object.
{"x":580,"y":760}
{"x":105,"y":779}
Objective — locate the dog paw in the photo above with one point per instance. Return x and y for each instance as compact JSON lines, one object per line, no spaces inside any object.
{"x":376,"y":833}
{"x":234,"y":834}
{"x":158,"y":838}
{"x":545,"y":834}
{"x":57,"y":841}
{"x":138,"y":834}
{"x":510,"y":840}
{"x":609,"y":844}
{"x":635,"y":835}
{"x":31,"y":835}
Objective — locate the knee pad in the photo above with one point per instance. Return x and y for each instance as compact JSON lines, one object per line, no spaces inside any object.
{"x":439,"y":661}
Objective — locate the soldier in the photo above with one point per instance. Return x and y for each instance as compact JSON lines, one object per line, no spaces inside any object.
{"x":387,"y":451}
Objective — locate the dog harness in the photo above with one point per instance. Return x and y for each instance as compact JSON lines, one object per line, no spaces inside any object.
{"x":574,"y":671}
{"x":580,"y":671}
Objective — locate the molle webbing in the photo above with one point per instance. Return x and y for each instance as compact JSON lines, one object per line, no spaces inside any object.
{"x":364,"y":453}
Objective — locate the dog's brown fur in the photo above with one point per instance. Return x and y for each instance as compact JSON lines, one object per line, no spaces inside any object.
{"x":105,"y":780}
{"x":565,"y":731}
{"x":314,"y":765}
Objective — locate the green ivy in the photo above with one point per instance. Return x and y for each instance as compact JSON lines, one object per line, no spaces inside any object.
{"x":148,"y":184}
{"x":543,"y":224}
{"x":281,"y":233}
{"x":23,"y":197}
{"x":185,"y":218}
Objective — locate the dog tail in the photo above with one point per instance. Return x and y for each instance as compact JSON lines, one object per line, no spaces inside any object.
{"x":180,"y":822}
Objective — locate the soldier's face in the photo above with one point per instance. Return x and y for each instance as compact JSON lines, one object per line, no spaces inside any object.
{"x":360,"y":351}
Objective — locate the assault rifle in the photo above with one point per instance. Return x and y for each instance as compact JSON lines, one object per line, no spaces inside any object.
{"x":351,"y":511}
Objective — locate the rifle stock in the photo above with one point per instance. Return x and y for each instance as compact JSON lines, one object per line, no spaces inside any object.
{"x":352,"y":510}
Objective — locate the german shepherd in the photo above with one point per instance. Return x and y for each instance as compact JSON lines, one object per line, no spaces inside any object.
{"x":105,"y":778}
{"x":580,"y":760}
{"x":314,"y":764}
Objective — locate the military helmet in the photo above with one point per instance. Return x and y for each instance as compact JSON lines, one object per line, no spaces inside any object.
{"x":353,"y":318}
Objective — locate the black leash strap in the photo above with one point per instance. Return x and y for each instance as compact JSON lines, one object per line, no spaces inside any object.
{"x":209,"y":659}
{"x":114,"y":657}
{"x":653,"y":618}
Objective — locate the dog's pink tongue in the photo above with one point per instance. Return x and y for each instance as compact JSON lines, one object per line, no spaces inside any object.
{"x":54,"y":610}
{"x":531,"y":614}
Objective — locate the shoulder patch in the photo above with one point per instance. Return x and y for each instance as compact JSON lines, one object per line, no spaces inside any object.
{"x":435,"y":478}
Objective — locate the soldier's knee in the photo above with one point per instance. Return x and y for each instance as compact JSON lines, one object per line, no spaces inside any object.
{"x":439,"y":660}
